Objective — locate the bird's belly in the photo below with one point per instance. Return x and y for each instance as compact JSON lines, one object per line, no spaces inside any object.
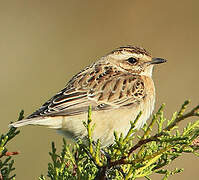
{"x":106,"y":122}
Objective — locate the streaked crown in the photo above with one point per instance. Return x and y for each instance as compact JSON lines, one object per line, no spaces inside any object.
{"x":131,"y":49}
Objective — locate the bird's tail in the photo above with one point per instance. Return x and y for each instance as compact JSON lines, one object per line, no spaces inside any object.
{"x":51,"y":122}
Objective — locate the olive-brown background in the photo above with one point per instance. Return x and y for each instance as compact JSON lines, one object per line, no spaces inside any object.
{"x":44,"y":43}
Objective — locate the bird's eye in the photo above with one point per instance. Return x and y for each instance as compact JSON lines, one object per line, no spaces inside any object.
{"x":132,"y":60}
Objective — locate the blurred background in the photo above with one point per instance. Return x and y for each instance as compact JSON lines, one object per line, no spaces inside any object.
{"x":44,"y":43}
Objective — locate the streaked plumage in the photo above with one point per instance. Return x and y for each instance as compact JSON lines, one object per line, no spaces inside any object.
{"x":118,"y":86}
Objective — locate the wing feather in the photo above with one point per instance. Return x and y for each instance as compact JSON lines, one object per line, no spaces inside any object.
{"x":103,"y":89}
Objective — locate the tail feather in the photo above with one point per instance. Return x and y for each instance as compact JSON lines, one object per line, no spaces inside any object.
{"x":51,"y":122}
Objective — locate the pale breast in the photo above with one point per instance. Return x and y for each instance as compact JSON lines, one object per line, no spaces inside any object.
{"x":147,"y":106}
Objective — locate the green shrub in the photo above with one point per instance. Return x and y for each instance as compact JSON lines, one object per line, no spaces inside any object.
{"x":130,"y":157}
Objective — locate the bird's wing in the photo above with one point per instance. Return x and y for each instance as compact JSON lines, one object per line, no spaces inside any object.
{"x":103,"y":91}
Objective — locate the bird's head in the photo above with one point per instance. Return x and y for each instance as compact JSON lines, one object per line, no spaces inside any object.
{"x":134,"y":60}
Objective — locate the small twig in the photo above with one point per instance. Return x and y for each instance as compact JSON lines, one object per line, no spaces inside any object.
{"x":193,"y":112}
{"x":9,"y":154}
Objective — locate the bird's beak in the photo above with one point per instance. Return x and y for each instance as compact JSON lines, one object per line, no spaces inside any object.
{"x":157,"y":61}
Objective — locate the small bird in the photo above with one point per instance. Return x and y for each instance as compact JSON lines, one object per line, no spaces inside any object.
{"x":117,"y":87}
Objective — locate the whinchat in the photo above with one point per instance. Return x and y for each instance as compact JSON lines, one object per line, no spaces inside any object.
{"x":117,"y":87}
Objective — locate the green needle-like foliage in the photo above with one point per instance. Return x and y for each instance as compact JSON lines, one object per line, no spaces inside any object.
{"x":131,"y":156}
{"x":6,"y":160}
